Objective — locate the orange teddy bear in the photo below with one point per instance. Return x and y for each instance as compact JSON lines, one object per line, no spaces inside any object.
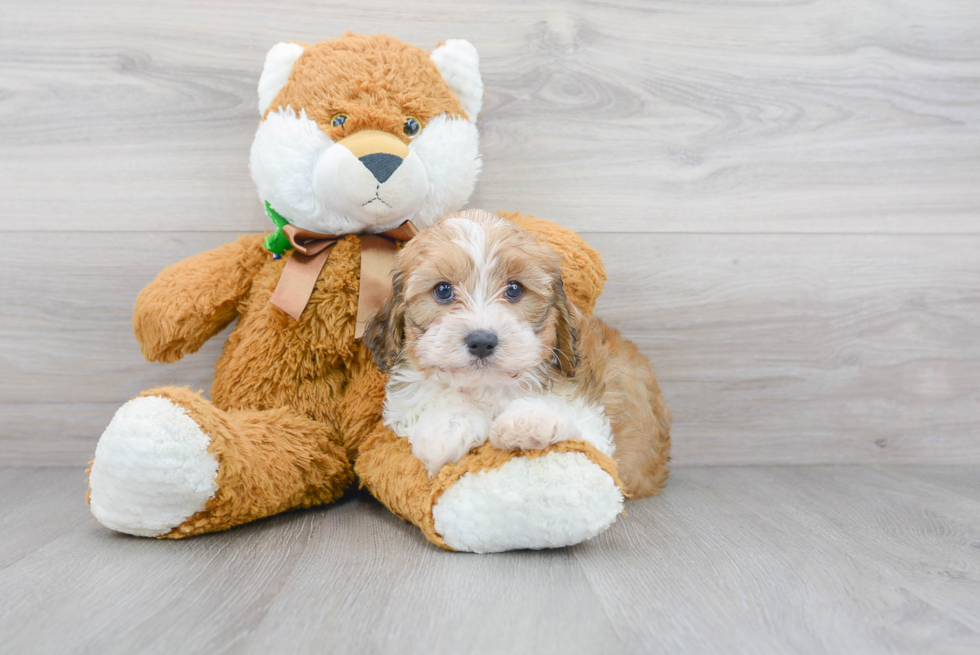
{"x":358,"y":136}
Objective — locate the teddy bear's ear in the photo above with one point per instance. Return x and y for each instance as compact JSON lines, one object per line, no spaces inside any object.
{"x":278,"y":64}
{"x":459,"y":64}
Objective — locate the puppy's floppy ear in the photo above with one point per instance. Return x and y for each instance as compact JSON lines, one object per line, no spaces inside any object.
{"x":385,"y":332}
{"x":565,"y":355}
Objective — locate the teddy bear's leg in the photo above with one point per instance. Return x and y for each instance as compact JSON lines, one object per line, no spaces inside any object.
{"x":171,"y":464}
{"x":494,"y":500}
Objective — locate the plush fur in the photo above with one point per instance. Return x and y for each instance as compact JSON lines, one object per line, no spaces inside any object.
{"x":291,"y":400}
{"x":389,"y":470}
{"x":550,"y":375}
{"x":295,"y":406}
{"x":152,"y":432}
{"x":301,"y":160}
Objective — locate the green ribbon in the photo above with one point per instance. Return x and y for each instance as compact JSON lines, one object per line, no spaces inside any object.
{"x":277,"y":243}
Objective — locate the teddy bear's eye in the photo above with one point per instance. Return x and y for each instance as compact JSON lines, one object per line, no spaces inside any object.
{"x":443,"y":292}
{"x":412,"y":126}
{"x":339,"y":120}
{"x":514,"y":291}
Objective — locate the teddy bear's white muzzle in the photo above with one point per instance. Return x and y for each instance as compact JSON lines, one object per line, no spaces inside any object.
{"x":375,"y":189}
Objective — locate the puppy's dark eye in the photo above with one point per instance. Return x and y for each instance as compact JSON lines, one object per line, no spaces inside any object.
{"x":412,"y":127}
{"x":514,"y":291}
{"x":442,"y":292}
{"x":339,"y":120}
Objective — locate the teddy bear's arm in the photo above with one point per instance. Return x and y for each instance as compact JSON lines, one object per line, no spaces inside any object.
{"x":194,"y":299}
{"x":583,"y":272}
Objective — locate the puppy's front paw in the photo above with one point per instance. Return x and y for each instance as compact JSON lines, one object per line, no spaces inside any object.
{"x":532,"y":424}
{"x":440,"y":439}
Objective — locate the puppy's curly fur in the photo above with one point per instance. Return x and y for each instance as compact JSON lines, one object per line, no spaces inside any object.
{"x":482,"y":344}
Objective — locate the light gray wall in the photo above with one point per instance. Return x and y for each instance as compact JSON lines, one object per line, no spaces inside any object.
{"x":787,"y":197}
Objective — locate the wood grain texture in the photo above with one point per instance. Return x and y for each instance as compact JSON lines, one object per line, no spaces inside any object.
{"x":786,"y":195}
{"x":620,"y":116}
{"x":770,"y":348}
{"x":729,"y":559}
{"x":828,"y":349}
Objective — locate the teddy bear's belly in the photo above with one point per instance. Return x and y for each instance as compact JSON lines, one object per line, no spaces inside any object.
{"x":285,"y":375}
{"x":272,"y":360}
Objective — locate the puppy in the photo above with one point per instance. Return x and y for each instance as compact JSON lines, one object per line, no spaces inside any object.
{"x":481,"y":344}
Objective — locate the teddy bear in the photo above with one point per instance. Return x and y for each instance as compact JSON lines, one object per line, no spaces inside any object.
{"x":363,"y":140}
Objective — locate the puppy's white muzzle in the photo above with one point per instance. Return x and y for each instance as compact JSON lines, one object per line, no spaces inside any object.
{"x":448,"y":344}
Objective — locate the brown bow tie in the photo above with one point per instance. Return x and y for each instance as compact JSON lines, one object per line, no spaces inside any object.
{"x":302,"y":270}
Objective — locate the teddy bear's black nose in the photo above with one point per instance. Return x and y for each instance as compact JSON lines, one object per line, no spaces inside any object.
{"x":481,"y":343}
{"x":382,"y":165}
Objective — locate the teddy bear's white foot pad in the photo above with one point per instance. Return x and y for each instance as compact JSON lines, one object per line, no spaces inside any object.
{"x":152,"y":469}
{"x":558,"y":499}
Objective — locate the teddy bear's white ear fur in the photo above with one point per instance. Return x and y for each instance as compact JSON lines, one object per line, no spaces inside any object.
{"x":459,"y":64}
{"x":278,"y":64}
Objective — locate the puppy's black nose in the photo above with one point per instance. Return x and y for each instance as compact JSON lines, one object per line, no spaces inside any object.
{"x":382,"y":165}
{"x":481,"y":343}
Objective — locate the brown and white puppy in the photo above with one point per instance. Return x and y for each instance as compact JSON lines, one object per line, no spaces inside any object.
{"x":482,"y":344}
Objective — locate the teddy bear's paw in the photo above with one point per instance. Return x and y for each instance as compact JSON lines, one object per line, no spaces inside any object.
{"x":152,"y":468}
{"x":532,"y":424}
{"x":556,"y":499}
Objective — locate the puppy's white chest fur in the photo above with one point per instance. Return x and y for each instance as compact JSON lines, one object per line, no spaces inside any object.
{"x":443,"y":418}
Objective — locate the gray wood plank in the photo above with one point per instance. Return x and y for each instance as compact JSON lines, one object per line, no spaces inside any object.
{"x":828,"y":349}
{"x":968,"y":486}
{"x":823,"y":560}
{"x":53,"y":434}
{"x":629,"y":116}
{"x":728,"y":559}
{"x":34,"y":510}
{"x":769,"y":348}
{"x":896,"y":523}
{"x":479,"y":596}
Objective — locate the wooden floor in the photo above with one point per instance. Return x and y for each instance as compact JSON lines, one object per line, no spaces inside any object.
{"x":845,"y":559}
